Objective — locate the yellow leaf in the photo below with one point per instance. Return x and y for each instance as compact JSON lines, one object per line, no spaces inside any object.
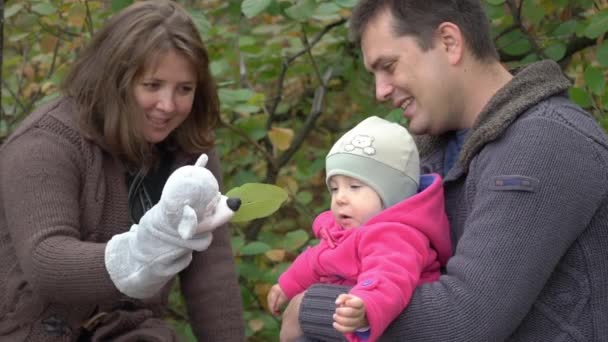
{"x":276,"y":255}
{"x":30,"y":89}
{"x":280,"y":137}
{"x":28,"y":71}
{"x":77,"y":15}
{"x":256,"y":325}
{"x":48,"y":87}
{"x":47,"y":43}
{"x":289,"y":183}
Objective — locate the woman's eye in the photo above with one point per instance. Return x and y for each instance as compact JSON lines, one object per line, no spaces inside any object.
{"x":186,"y":89}
{"x":150,"y":85}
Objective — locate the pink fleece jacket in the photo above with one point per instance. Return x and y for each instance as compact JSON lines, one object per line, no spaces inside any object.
{"x":384,"y":260}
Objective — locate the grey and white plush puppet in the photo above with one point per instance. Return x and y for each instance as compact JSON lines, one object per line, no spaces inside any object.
{"x":141,"y":261}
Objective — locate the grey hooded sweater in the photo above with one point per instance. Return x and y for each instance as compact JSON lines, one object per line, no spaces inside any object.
{"x":528,"y":208}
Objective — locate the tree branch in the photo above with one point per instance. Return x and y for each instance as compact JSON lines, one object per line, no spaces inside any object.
{"x":285,"y":65}
{"x":315,"y":111}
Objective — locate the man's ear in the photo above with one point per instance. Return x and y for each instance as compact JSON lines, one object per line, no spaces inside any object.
{"x":450,"y":39}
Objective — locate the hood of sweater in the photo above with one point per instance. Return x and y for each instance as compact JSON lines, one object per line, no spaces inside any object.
{"x":529,"y":86}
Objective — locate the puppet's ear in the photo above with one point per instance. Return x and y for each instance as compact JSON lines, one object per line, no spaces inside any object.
{"x":202,"y":160}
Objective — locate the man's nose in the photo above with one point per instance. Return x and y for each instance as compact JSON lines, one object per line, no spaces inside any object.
{"x":383,"y":89}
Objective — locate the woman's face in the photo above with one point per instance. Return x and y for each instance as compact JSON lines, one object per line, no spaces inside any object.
{"x":165,"y":95}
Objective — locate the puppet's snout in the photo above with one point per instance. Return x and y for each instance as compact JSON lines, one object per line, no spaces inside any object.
{"x":234,"y":203}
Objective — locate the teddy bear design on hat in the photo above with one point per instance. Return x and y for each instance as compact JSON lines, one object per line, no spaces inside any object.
{"x":364,"y":142}
{"x":380,"y":153}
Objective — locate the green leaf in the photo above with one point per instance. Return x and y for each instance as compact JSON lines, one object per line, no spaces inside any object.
{"x":18,"y":37}
{"x":257,"y":200}
{"x":533,"y":12}
{"x":565,"y":29}
{"x":514,"y":43}
{"x":246,"y":41}
{"x":237,"y":242}
{"x":395,"y":115}
{"x":346,"y":3}
{"x":254,"y":248}
{"x":233,"y":96}
{"x":327,"y":9}
{"x":250,"y":271}
{"x":598,"y":25}
{"x":251,"y":8}
{"x":117,"y":5}
{"x":200,"y":21}
{"x":244,"y":176}
{"x":246,"y":108}
{"x":494,"y":12}
{"x":301,"y":11}
{"x":556,"y":51}
{"x":602,"y":54}
{"x":580,"y":97}
{"x":595,"y":80}
{"x":495,"y":2}
{"x":254,"y":126}
{"x":304,"y":197}
{"x":219,"y":66}
{"x":44,"y":8}
{"x":12,"y":10}
{"x":3,"y":129}
{"x":295,"y":239}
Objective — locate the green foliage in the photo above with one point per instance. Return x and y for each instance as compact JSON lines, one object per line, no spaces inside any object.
{"x":257,"y":200}
{"x":290,"y":83}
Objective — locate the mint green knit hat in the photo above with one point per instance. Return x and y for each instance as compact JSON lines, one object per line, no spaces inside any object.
{"x":380,"y":153}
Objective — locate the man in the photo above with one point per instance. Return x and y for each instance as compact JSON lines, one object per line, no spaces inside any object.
{"x":525,"y":176}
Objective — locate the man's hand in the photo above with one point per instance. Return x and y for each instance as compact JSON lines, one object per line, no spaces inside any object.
{"x":290,"y":328}
{"x":350,"y":314}
{"x":276,"y":299}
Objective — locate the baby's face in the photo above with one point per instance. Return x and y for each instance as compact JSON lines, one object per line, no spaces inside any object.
{"x":352,"y":202}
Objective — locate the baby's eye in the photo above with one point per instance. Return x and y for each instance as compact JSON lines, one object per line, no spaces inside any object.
{"x":333,"y":189}
{"x":355,"y":186}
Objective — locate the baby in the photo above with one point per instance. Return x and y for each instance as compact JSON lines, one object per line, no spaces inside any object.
{"x":386,"y":232}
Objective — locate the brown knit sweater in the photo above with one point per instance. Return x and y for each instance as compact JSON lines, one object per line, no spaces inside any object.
{"x":61,"y":199}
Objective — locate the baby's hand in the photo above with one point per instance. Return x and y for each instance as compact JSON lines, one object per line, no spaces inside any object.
{"x":350,"y":314}
{"x":276,"y":299}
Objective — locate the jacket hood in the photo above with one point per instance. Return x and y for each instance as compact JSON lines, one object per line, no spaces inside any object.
{"x":424,"y":211}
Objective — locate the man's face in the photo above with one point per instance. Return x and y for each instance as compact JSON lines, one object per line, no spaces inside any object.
{"x":412,"y":79}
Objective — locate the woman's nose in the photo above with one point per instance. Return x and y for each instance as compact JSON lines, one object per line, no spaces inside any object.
{"x":166,"y":101}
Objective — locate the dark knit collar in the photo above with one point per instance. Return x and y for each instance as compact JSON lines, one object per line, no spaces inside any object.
{"x":529,"y":86}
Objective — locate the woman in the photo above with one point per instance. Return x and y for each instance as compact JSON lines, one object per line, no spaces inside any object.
{"x":138,"y":103}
